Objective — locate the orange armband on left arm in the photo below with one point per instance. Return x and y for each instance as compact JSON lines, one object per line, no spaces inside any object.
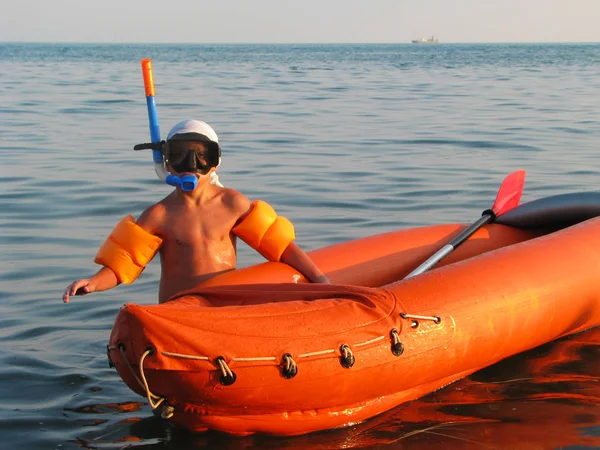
{"x":265,"y":231}
{"x":127,"y":250}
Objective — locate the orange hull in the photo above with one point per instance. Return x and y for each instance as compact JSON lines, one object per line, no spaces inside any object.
{"x":502,"y":292}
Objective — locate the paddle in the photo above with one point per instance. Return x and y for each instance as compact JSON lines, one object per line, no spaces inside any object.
{"x":508,"y":198}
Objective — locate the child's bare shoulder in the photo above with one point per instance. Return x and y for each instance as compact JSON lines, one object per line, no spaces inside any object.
{"x":235,"y":201}
{"x":152,"y":218}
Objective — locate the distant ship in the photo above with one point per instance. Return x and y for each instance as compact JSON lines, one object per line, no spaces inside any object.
{"x":431,"y":40}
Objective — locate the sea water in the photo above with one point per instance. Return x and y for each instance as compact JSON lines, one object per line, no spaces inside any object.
{"x":345,"y":140}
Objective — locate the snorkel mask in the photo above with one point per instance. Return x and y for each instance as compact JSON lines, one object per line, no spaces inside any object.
{"x":182,"y":153}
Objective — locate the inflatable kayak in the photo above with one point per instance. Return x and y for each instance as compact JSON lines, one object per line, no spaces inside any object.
{"x":251,"y":351}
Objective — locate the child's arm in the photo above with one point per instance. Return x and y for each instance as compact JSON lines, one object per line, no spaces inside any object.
{"x":123,"y":256}
{"x":272,"y":236}
{"x":104,"y":279}
{"x":299,"y":260}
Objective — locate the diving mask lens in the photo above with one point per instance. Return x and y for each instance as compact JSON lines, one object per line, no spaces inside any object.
{"x":184,"y":156}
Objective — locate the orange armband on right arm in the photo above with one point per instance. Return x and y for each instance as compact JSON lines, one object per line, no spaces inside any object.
{"x":127,"y":250}
{"x":265,"y":231}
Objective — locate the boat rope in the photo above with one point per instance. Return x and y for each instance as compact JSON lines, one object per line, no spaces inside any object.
{"x":436,"y":319}
{"x":397,"y":346}
{"x":167,"y":412}
{"x":181,"y":355}
{"x":149,"y":395}
{"x":123,"y":354}
{"x":260,"y":358}
{"x":224,"y":367}
{"x":228,"y":376}
{"x":142,"y":382}
{"x":371,"y":341}
{"x":271,"y":358}
{"x":347,"y":359}
{"x":319,"y":353}
{"x":289,"y":366}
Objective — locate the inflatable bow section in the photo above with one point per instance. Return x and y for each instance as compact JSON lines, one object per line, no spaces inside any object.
{"x":251,"y":336}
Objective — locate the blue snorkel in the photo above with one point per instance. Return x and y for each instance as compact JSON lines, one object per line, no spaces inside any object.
{"x":187,"y":182}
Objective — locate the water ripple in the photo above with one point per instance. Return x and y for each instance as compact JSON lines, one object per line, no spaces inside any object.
{"x":347,"y":141}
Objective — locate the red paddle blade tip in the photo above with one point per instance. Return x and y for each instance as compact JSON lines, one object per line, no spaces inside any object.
{"x":509,"y":194}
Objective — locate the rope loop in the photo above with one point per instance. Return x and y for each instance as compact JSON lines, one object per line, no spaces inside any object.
{"x":228,"y":376}
{"x":142,"y":378}
{"x":347,"y":359}
{"x":434,"y":319}
{"x":149,"y":395}
{"x":289,"y":368}
{"x":397,"y":346}
{"x":167,"y":412}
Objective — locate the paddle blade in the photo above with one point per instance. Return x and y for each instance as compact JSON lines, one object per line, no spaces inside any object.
{"x":509,"y":194}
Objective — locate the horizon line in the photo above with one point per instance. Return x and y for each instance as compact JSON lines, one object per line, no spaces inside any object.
{"x":295,"y":43}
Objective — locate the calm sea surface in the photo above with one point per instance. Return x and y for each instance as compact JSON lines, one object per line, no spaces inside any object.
{"x":347,"y":141}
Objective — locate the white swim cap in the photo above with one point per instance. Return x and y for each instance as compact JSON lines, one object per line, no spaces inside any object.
{"x":196,"y":127}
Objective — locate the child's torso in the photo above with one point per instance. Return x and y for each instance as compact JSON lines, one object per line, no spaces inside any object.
{"x":197,"y":245}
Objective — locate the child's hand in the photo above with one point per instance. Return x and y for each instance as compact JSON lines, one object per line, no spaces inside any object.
{"x":79,"y":287}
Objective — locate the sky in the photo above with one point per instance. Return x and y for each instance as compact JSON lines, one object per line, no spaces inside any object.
{"x":300,"y":21}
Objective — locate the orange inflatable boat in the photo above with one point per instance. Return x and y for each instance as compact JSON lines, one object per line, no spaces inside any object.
{"x":251,"y":351}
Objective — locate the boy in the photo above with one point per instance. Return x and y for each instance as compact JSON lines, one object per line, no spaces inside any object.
{"x":194,"y":230}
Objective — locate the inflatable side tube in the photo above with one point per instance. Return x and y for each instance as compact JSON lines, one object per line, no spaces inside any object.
{"x":557,"y":211}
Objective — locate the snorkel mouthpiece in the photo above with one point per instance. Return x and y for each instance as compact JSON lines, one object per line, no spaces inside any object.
{"x":187,"y":182}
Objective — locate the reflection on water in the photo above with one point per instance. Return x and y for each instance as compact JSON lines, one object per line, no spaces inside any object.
{"x":546,"y":398}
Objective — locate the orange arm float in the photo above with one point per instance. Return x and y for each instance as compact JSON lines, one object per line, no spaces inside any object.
{"x":127,"y":250}
{"x":265,"y":231}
